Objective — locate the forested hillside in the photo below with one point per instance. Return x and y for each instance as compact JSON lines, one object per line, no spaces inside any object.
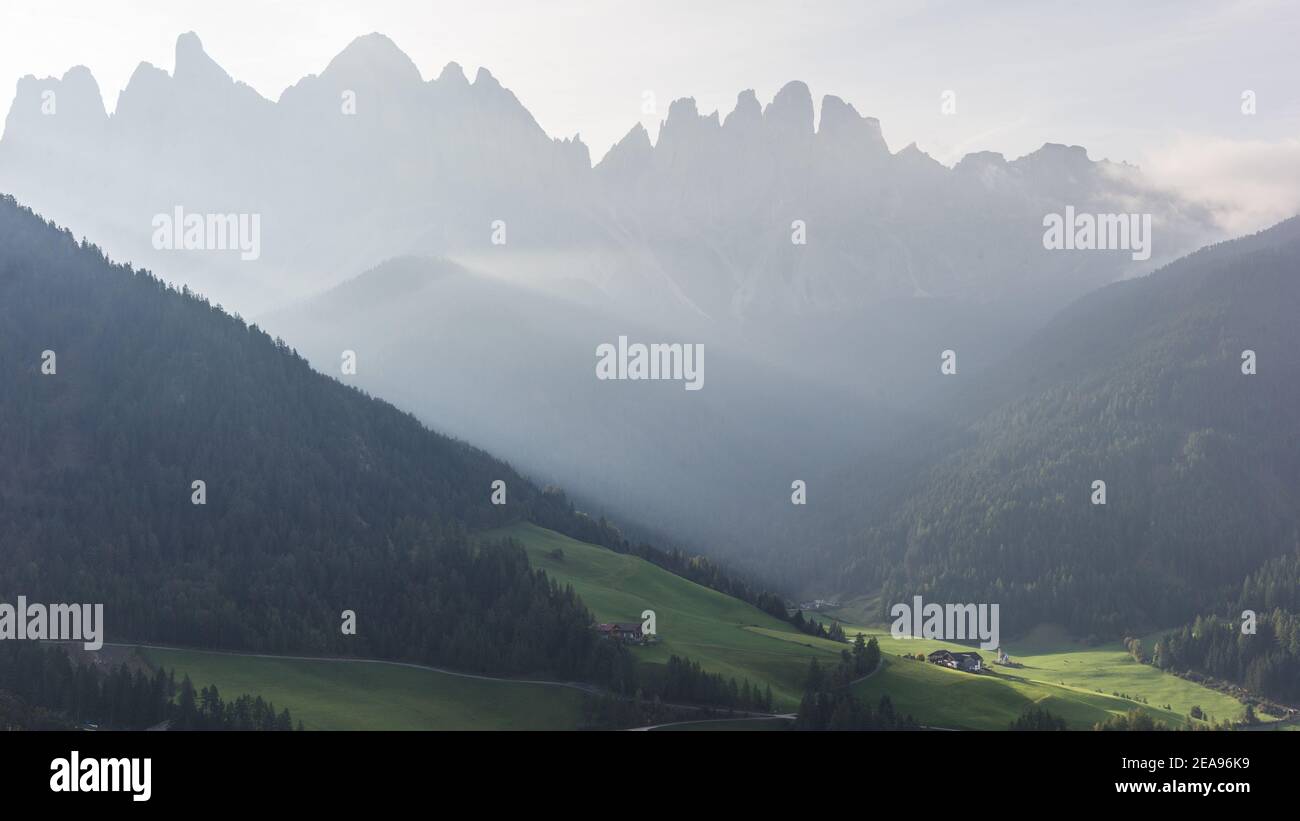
{"x":319,"y":499}
{"x":1139,"y":385}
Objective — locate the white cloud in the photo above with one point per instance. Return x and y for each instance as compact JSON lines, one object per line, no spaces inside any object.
{"x":1248,"y":184}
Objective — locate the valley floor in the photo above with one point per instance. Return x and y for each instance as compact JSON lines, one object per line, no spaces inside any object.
{"x":1083,"y":685}
{"x":347,"y":694}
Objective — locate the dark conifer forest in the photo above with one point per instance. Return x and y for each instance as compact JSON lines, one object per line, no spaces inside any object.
{"x":319,"y":499}
{"x":1139,"y":384}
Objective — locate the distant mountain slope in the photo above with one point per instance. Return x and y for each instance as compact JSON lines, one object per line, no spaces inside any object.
{"x":496,"y":362}
{"x":1139,"y":385}
{"x":319,"y":499}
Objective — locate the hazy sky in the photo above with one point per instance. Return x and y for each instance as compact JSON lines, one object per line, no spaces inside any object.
{"x":1154,"y":83}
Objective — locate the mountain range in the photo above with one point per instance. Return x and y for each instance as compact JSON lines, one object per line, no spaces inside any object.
{"x":696,"y":224}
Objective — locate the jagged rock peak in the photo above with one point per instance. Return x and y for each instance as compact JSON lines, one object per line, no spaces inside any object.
{"x":375,"y":54}
{"x":981,"y":159}
{"x":452,"y":74}
{"x":484,"y":79}
{"x":636,"y":139}
{"x":194,"y":64}
{"x":682,"y":109}
{"x":792,"y":107}
{"x":747,"y":111}
{"x":1058,"y":154}
{"x":632,"y":153}
{"x":574,"y":150}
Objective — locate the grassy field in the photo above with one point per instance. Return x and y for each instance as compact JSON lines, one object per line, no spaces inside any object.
{"x":730,"y":637}
{"x":940,"y":697}
{"x":1069,"y":678}
{"x":723,"y":634}
{"x":356,"y":695}
{"x":727,"y":636}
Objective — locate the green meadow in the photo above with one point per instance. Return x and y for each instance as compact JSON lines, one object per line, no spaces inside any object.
{"x":939,"y":697}
{"x":735,"y":639}
{"x":725,"y":635}
{"x":1069,"y":678}
{"x":360,"y":695}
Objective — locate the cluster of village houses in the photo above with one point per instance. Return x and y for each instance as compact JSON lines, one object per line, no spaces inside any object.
{"x":969,"y":662}
{"x":818,"y":604}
